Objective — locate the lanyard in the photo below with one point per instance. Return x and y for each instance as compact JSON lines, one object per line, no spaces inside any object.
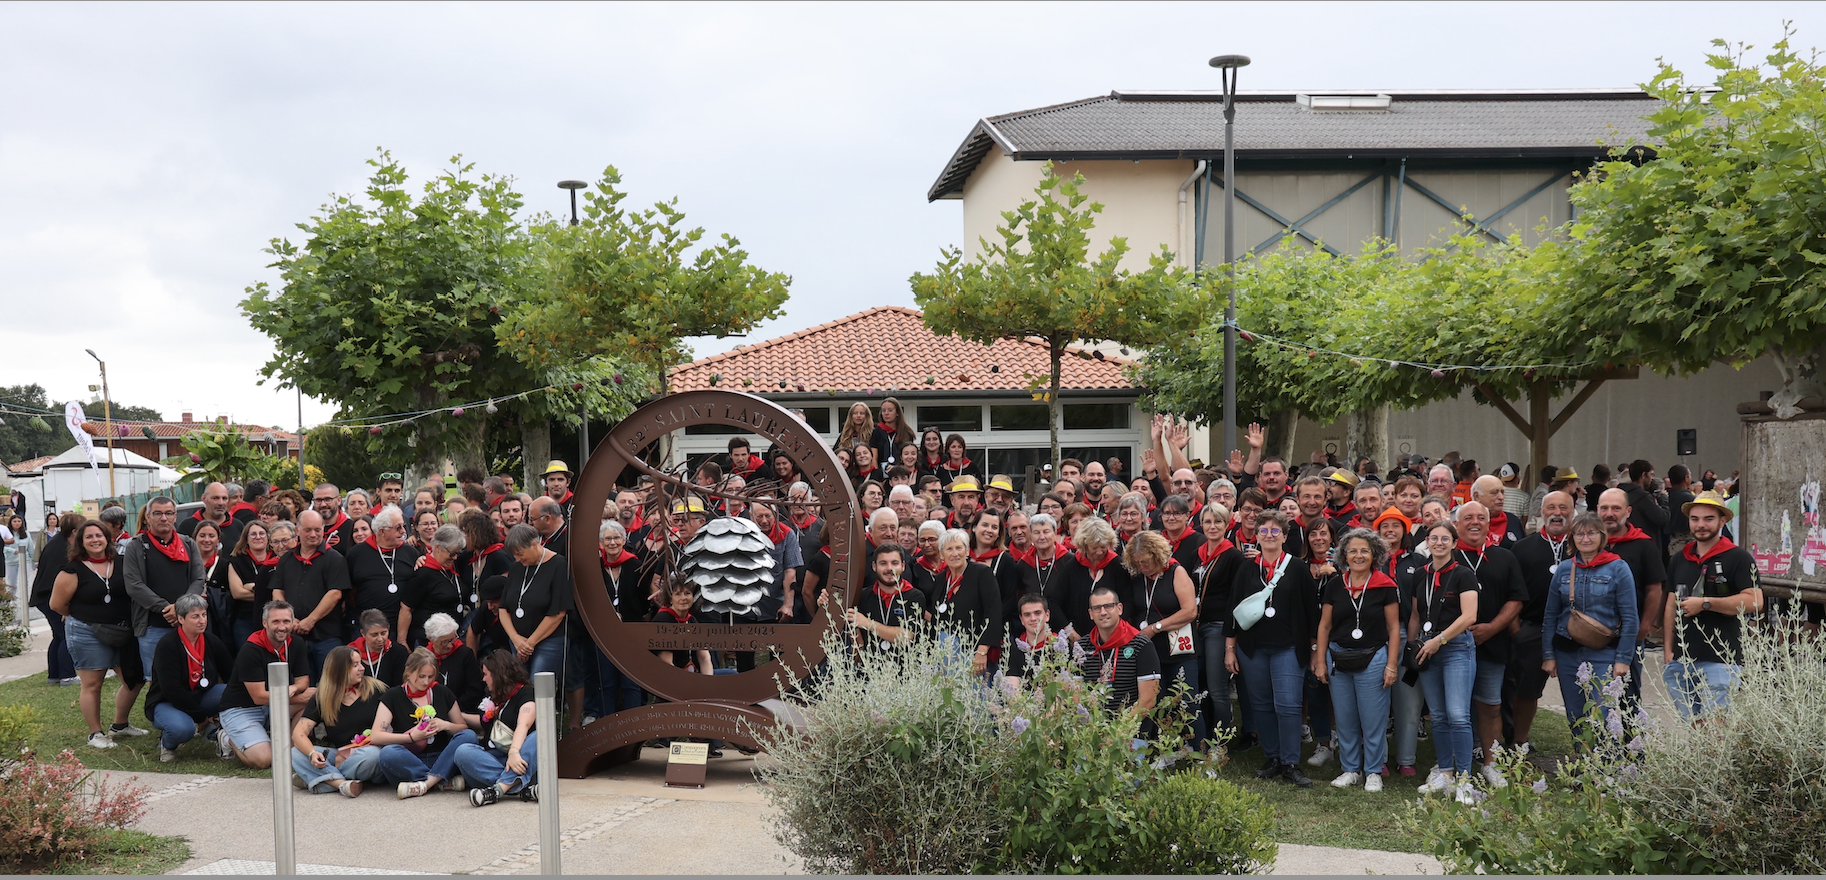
{"x":1152,"y":584}
{"x":1467,"y":556}
{"x":951,"y":585}
{"x":1280,"y":568}
{"x":1356,"y":604}
{"x":1434,"y":590}
{"x":519,"y":609}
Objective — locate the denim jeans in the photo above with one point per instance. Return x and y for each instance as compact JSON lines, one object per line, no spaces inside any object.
{"x":319,"y":650}
{"x":1448,"y":681}
{"x":548,"y":656}
{"x":1579,"y":699}
{"x":615,"y":691}
{"x":1700,"y":687}
{"x":1276,"y":686}
{"x":1218,"y":723}
{"x":58,"y":665}
{"x":243,"y":629}
{"x":1405,"y":702}
{"x":1318,"y":709}
{"x":1361,"y":705}
{"x":1184,"y":669}
{"x":362,"y":765}
{"x":485,"y":766}
{"x":149,"y":643}
{"x":246,"y":726}
{"x":176,"y":726}
{"x":401,"y":764}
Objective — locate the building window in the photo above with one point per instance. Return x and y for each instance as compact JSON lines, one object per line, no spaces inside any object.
{"x":950,"y":418}
{"x":819,"y":417}
{"x":1096,"y":416}
{"x":1014,"y":462}
{"x":1017,"y":417}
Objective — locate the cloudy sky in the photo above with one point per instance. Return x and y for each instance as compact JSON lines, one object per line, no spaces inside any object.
{"x":148,"y":152}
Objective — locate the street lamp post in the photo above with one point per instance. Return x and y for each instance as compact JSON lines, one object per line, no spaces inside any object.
{"x":107,"y":410}
{"x":583,"y":423}
{"x":1228,"y":65}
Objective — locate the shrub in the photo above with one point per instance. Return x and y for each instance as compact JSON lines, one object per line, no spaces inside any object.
{"x":19,"y":728}
{"x":52,"y":810}
{"x":13,"y":632}
{"x":1203,"y":826}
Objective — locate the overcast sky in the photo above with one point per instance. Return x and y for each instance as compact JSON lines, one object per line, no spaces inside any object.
{"x":148,"y":152}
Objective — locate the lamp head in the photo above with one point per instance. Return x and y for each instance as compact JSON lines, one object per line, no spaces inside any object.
{"x":577,"y":184}
{"x":1230,"y":61}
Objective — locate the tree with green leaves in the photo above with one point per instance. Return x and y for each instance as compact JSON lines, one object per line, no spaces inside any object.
{"x":390,"y":306}
{"x":629,"y":285}
{"x":1715,"y":251}
{"x":226,"y":456}
{"x":1041,"y":282}
{"x":29,"y":424}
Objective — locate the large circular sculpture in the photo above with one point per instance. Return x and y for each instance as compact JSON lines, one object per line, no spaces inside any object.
{"x":727,"y":707}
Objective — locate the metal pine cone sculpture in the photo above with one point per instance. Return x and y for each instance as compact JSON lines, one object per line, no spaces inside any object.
{"x":730,"y":563}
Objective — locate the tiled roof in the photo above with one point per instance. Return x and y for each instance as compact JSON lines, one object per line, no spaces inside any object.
{"x":1171,"y":125}
{"x":29,"y":465}
{"x":178,"y":430}
{"x":889,"y":348}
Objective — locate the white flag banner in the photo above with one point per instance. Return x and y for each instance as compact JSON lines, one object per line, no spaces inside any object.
{"x":73,"y":417}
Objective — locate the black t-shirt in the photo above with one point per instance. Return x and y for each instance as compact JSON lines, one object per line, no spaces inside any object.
{"x":1018,"y":662}
{"x":1726,"y":571}
{"x":474,"y":568}
{"x":430,"y":591}
{"x":1363,"y":614}
{"x":536,"y":593}
{"x":378,"y":579}
{"x":681,"y":659}
{"x":461,"y":672}
{"x":490,"y":635}
{"x":1295,"y":603}
{"x":1538,"y":559}
{"x":351,"y":720}
{"x":305,"y":585}
{"x":509,"y":713}
{"x":1211,"y":582}
{"x":250,"y":665}
{"x":1438,"y":592}
{"x":229,"y":530}
{"x":1646,"y":564}
{"x":256,"y":577}
{"x":1499,"y":581}
{"x":1122,"y":668}
{"x":390,"y":669}
{"x":96,"y":601}
{"x":901,"y":610}
{"x":1406,"y":570}
{"x":402,"y":707}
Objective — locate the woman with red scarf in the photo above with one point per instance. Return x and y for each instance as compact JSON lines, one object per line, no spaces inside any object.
{"x":190,"y":669}
{"x":505,"y":758}
{"x":435,"y":587}
{"x":931,"y":454}
{"x":1218,"y":563}
{"x":91,"y":593}
{"x":457,"y":666}
{"x":1092,"y":564}
{"x":216,"y":566}
{"x":346,"y":702}
{"x":418,"y":747}
{"x":1598,"y":584}
{"x":1013,"y":578}
{"x":1444,"y":608}
{"x":968,"y":600}
{"x":957,"y":462}
{"x":891,"y":433}
{"x":613,"y":691}
{"x":381,"y":657}
{"x":1164,"y":601}
{"x":250,"y":575}
{"x":1273,"y":649}
{"x":1360,"y":632}
{"x":483,"y":557}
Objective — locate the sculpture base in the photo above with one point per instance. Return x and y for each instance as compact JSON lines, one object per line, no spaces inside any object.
{"x":617,"y":739}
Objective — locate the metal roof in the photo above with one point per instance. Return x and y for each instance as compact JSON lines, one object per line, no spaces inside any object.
{"x":1276,"y":125}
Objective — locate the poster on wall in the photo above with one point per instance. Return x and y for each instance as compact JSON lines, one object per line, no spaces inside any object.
{"x":1780,"y":499}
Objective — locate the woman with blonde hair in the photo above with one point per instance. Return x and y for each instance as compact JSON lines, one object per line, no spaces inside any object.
{"x":858,"y":427}
{"x":418,"y":747}
{"x":347,"y":701}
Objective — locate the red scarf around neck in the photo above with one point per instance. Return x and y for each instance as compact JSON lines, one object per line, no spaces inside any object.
{"x":419,"y":695}
{"x":1096,"y":565}
{"x":681,"y":617}
{"x":174,"y":551}
{"x":888,"y":598}
{"x":805,"y":522}
{"x":1209,"y":551}
{"x":361,"y":647}
{"x":1634,"y":533}
{"x":620,"y":560}
{"x":1125,"y":633}
{"x":779,"y":532}
{"x":193,"y":654}
{"x":985,"y":556}
{"x":932,"y":565}
{"x":454,"y":644}
{"x":1602,"y":557}
{"x":1691,"y":551}
{"x":432,"y":563}
{"x":265,"y":643}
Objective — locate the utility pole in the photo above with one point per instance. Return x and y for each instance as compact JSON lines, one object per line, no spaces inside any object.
{"x":107,"y":410}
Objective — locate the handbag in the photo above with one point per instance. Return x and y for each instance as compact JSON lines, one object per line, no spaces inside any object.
{"x":1250,"y":611}
{"x":1585,"y":629}
{"x":114,"y":635}
{"x":1351,"y":659}
{"x":1180,"y":641}
{"x":501,"y":736}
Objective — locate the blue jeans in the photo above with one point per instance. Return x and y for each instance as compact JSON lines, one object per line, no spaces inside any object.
{"x":485,"y":766}
{"x":1448,"y":681}
{"x":400,"y":764}
{"x":1217,"y":680}
{"x":149,"y":643}
{"x":176,"y":726}
{"x":246,"y":726}
{"x":1700,"y":687}
{"x":362,"y":765}
{"x":1318,"y":709}
{"x":58,"y":664}
{"x":615,"y":691}
{"x":319,"y":649}
{"x":1361,"y":705}
{"x":1184,"y":668}
{"x":1405,"y":705}
{"x":1276,"y":686}
{"x":548,"y":656}
{"x":1579,"y":699}
{"x":243,"y":629}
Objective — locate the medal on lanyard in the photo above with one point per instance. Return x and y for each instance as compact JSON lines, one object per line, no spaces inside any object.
{"x":1269,"y":611}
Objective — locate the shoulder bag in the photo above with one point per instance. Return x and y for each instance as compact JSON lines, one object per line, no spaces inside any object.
{"x":1249,"y":611}
{"x":1584,"y":628}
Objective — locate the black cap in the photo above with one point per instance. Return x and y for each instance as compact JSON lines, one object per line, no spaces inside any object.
{"x":493,"y":587}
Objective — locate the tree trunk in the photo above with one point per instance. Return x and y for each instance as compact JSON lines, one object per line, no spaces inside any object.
{"x":535,"y":450}
{"x":1366,"y":435}
{"x":1053,"y":409}
{"x":473,"y":452}
{"x":1801,"y":377}
{"x":1281,"y":429}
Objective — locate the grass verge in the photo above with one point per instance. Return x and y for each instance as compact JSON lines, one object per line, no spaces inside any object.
{"x":127,"y":852}
{"x":1351,"y":817}
{"x":63,"y":728}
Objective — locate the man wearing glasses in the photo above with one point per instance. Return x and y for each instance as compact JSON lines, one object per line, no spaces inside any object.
{"x":1117,"y":655}
{"x":338,"y":528}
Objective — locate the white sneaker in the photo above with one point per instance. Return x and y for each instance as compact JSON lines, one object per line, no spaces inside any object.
{"x":1320,"y":756}
{"x":1305,"y":733}
{"x":1347,"y":779}
{"x":100,"y":741}
{"x":129,"y":730}
{"x":1373,"y":783}
{"x":411,"y":790}
{"x":166,"y":755}
{"x":589,"y":720}
{"x":1493,"y":776}
{"x":225,"y":748}
{"x":1437,"y":783}
{"x":1463,"y":789}
{"x":456,"y":782}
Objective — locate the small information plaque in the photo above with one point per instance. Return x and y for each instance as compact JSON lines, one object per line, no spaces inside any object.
{"x":686,"y":764}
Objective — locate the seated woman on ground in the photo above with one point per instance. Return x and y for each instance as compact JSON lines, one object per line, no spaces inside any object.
{"x":419,"y":727}
{"x":347,"y":701}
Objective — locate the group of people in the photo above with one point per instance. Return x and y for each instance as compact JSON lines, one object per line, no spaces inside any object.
{"x":1342,"y":606}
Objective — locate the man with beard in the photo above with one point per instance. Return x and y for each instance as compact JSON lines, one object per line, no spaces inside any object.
{"x":1501,"y":594}
{"x":338,"y":528}
{"x":1094,"y":480}
{"x":513,"y":512}
{"x":1643,"y":555}
{"x":1340,"y":497}
{"x":966,"y":501}
{"x":1539,"y":556}
{"x":891,"y":604}
{"x":557,"y":477}
{"x":1715,"y":585}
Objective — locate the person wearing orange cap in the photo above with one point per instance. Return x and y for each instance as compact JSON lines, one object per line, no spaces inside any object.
{"x":1396,"y":529}
{"x":1715,"y":584}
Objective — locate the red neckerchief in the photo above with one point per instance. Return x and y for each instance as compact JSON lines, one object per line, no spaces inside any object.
{"x":432,"y":563}
{"x":986,"y":556}
{"x":1261,"y":561}
{"x":887,"y":598}
{"x":805,"y":523}
{"x":260,"y":640}
{"x":454,"y":644}
{"x":1175,"y":542}
{"x":174,"y":551}
{"x":1045,"y":637}
{"x":566,"y":499}
{"x":962,"y":465}
{"x":1125,"y":633}
{"x":1634,"y":534}
{"x":951,"y":584}
{"x":195,"y":660}
{"x":490,"y":549}
{"x":748,"y":466}
{"x":361,"y":647}
{"x":271,"y":559}
{"x":491,"y":713}
{"x":331,"y":533}
{"x":623,"y":559}
{"x":1109,"y":556}
{"x":681,"y":618}
{"x":1349,"y":507}
{"x":1693,"y":557}
{"x":1602,"y":557}
{"x":1198,"y":505}
{"x":1029,"y":555}
{"x":494,"y":502}
{"x":1209,"y":551}
{"x":1499,"y":528}
{"x":239,"y":506}
{"x":931,"y":565}
{"x":298,"y":554}
{"x":640,"y":522}
{"x":1375,"y":580}
{"x":421,"y":694}
{"x":1478,"y":550}
{"x":932,"y":461}
{"x":209,"y":562}
{"x":779,"y":532}
{"x":1124,"y":537}
{"x":371,"y":542}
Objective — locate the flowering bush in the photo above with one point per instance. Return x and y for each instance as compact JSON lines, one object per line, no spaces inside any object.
{"x":54,"y":810}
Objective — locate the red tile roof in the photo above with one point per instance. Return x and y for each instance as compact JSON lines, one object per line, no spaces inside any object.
{"x":178,"y":430}
{"x":30,"y":464}
{"x":889,"y":348}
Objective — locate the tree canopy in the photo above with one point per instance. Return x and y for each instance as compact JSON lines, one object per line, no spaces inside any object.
{"x":1040,"y":281}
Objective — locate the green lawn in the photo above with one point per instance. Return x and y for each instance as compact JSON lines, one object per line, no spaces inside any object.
{"x":1326,"y":816}
{"x":128,"y":852}
{"x":63,"y":728}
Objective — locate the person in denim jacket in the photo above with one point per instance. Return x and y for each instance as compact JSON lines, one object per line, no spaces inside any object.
{"x":1605,"y":590}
